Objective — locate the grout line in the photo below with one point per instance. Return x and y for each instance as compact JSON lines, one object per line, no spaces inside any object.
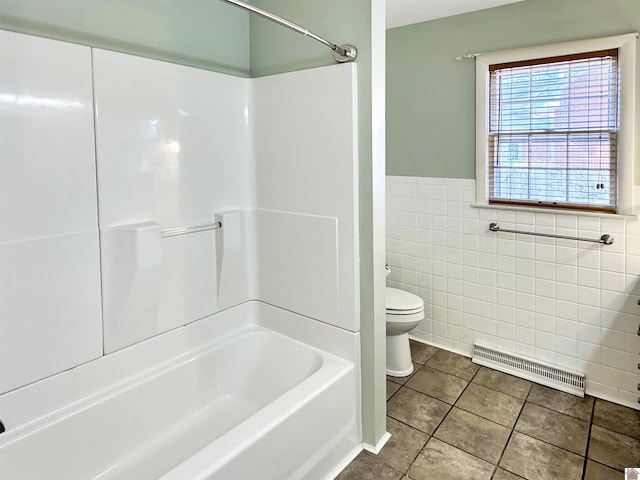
{"x":605,"y":465}
{"x":497,"y":391}
{"x":586,"y":451}
{"x":513,"y":429}
{"x":616,"y":432}
{"x":394,"y":393}
{"x":432,"y":398}
{"x":544,"y":441}
{"x":448,"y":373}
{"x":451,"y":407}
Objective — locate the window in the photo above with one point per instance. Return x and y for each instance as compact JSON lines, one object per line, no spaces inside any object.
{"x":552,"y":125}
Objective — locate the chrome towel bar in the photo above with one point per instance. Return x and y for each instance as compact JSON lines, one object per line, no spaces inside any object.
{"x":172,"y":232}
{"x":604,"y":239}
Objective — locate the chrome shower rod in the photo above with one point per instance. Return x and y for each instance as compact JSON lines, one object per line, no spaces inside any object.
{"x":342,"y":53}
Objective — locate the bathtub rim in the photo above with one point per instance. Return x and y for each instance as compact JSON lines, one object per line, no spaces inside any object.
{"x":55,"y":397}
{"x":128,"y":384}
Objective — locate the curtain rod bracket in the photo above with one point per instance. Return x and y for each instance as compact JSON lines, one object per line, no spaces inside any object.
{"x":345,"y":53}
{"x":468,"y":56}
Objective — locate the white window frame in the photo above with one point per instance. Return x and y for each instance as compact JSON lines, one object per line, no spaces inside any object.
{"x":626,"y":45}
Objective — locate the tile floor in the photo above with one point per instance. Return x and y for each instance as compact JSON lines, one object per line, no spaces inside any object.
{"x":453,"y":420}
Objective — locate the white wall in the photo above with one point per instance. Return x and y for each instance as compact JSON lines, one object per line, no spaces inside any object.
{"x":563,"y":302}
{"x":49,"y":260}
{"x":174,"y":147}
{"x":306,"y":195}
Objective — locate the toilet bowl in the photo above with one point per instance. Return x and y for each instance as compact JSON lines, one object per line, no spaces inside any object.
{"x":404,"y":312}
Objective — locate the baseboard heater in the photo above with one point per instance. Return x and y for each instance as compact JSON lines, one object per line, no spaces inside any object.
{"x":566,"y":381}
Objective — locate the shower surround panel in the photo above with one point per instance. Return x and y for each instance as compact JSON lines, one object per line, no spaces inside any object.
{"x":49,"y":251}
{"x":175,"y":147}
{"x":567,"y":303}
{"x":306,"y":192}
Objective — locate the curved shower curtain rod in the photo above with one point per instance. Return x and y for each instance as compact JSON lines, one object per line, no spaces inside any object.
{"x":342,"y":53}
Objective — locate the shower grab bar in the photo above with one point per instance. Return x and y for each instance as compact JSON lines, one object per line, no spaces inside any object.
{"x":605,"y":239}
{"x":342,"y":53}
{"x":173,"y":232}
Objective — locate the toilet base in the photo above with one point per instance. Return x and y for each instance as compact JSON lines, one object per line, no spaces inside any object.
{"x":399,"y":356}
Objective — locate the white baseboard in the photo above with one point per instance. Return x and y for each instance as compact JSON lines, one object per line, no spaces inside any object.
{"x":344,"y":463}
{"x":375,"y":449}
{"x":464,"y":353}
{"x":355,"y":452}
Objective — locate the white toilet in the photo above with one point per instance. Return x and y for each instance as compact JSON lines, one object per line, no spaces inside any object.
{"x":404,"y":312}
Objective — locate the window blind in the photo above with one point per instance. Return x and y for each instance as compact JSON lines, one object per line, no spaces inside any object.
{"x":553,"y":131}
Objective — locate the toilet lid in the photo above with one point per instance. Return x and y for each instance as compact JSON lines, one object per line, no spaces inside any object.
{"x":399,"y":300}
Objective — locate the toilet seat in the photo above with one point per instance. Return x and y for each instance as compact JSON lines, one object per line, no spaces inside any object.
{"x":405,"y":312}
{"x":406,"y":318}
{"x":399,"y":302}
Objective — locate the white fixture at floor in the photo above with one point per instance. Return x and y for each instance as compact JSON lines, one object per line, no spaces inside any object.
{"x":404,"y":312}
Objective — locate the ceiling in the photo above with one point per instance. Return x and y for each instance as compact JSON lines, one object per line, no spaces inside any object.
{"x":406,"y":12}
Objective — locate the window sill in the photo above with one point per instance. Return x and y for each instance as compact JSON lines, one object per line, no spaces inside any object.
{"x":575,"y":213}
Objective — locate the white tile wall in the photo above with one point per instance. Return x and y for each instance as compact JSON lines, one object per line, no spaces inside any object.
{"x":568,"y":303}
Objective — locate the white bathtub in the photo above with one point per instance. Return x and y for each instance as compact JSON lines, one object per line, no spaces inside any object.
{"x":229,"y":397}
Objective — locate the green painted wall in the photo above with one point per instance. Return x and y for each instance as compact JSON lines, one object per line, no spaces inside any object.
{"x":275,"y":50}
{"x":200,"y":33}
{"x":431,"y":96}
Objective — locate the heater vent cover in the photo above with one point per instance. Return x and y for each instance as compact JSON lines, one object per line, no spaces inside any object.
{"x":532,"y":370}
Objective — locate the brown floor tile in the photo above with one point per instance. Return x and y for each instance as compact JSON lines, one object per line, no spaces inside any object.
{"x":561,"y":402}
{"x":403,"y":380}
{"x":403,"y":446}
{"x":441,"y":461}
{"x":453,"y":363}
{"x":504,"y":475}
{"x":421,"y":352}
{"x":555,"y":428}
{"x":536,"y":460}
{"x":473,"y":434}
{"x":617,"y":418}
{"x":490,"y":404}
{"x":417,"y":410}
{"x":392,"y":388}
{"x":437,"y":384}
{"x":613,"y":449}
{"x":503,"y":382}
{"x":595,"y":471}
{"x":368,"y":467}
